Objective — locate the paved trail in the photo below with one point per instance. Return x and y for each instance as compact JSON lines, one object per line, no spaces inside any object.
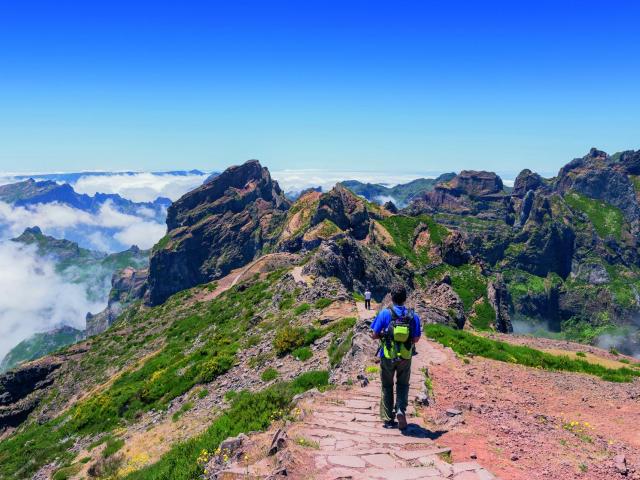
{"x":352,"y":444}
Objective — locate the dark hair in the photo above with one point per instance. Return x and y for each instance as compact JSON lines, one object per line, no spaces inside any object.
{"x":398,"y":294}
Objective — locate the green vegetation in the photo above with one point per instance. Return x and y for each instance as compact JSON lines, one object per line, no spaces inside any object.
{"x":288,"y":338}
{"x":303,"y":354}
{"x":185,"y":408}
{"x":302,"y":308}
{"x":305,"y":442}
{"x":217,"y":327}
{"x":162,"y":243}
{"x":605,"y":218}
{"x":327,"y":229}
{"x":269,"y":374}
{"x":339,"y":347}
{"x":581,"y":354}
{"x":402,"y":230}
{"x":322,"y":303}
{"x":485,"y":315}
{"x":203,"y":393}
{"x":67,"y":472}
{"x":112,"y":446}
{"x":467,"y":281}
{"x":521,"y":283}
{"x":248,"y":412}
{"x":372,"y":369}
{"x":465,"y":343}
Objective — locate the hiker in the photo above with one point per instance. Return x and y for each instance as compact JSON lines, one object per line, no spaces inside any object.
{"x":398,"y":329}
{"x":367,"y":299}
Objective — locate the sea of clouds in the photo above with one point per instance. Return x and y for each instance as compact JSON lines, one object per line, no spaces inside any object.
{"x":35,"y":298}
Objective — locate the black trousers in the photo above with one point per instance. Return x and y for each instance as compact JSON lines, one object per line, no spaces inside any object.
{"x":367,"y":304}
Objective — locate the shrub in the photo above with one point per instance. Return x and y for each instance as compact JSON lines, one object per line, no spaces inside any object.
{"x":269,"y":374}
{"x":288,"y":338}
{"x":203,"y":393}
{"x":303,"y":354}
{"x":214,"y":368}
{"x":581,"y":354}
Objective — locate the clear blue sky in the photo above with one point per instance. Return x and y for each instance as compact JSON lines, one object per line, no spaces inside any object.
{"x":395,"y":85}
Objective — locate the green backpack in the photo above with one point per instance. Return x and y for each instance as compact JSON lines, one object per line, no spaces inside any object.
{"x":397,"y":341}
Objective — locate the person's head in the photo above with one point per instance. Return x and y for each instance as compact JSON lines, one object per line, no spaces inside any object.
{"x":398,"y":294}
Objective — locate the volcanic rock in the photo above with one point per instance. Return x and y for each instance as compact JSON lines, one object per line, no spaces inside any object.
{"x":215,"y":228}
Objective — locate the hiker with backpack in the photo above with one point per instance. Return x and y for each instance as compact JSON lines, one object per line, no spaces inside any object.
{"x":398,"y":329}
{"x":367,"y":299}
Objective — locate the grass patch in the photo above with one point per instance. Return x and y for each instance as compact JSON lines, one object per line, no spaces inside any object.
{"x":466,"y":280}
{"x":338,"y":348}
{"x":303,"y":354}
{"x":269,"y":374}
{"x":67,"y":472}
{"x":305,"y":442}
{"x":322,"y":303}
{"x":402,"y":229}
{"x":185,"y":408}
{"x":372,"y":369}
{"x":465,"y":343}
{"x":248,"y":412}
{"x":112,"y":446}
{"x":302,"y":308}
{"x":289,"y":338}
{"x":606,"y":219}
{"x":485,"y":315}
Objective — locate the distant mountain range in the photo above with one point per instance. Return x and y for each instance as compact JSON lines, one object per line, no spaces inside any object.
{"x":73,"y":177}
{"x":32,"y":192}
{"x":401,"y":194}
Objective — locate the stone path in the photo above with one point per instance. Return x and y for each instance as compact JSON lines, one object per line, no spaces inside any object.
{"x":345,"y":427}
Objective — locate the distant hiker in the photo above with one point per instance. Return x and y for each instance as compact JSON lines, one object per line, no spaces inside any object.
{"x":398,"y":328}
{"x":367,"y":299}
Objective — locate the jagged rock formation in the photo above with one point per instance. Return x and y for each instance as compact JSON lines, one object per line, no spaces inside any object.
{"x":498,"y":297}
{"x":127,"y":285}
{"x":358,"y":266}
{"x":215,"y":228}
{"x":19,"y":391}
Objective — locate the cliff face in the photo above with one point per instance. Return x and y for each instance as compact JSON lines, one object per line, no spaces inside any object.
{"x":215,"y":228}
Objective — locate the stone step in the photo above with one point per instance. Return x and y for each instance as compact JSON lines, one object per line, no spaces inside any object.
{"x":405,"y":473}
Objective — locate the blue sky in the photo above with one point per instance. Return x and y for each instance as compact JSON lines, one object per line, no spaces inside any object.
{"x":386,"y":86}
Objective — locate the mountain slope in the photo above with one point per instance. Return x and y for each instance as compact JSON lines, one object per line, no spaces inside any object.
{"x":401,"y":194}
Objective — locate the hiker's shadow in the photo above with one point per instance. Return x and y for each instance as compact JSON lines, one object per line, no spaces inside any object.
{"x":416,"y":431}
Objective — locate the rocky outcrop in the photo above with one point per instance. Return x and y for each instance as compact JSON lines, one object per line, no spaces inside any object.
{"x":438,"y":303}
{"x":597,"y":176}
{"x":127,"y":285}
{"x":215,"y":228}
{"x":454,"y":250}
{"x":358,"y":266}
{"x":498,"y":296}
{"x":476,"y":183}
{"x":477,"y":193}
{"x":528,"y":181}
{"x":344,"y":209}
{"x":19,"y":390}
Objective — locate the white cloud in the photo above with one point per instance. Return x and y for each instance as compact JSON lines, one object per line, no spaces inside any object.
{"x":35,"y":298}
{"x":63,"y":221}
{"x":139,"y":187}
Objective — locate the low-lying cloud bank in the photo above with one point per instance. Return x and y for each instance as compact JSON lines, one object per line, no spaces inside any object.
{"x":108,"y":230}
{"x":35,"y":298}
{"x":140,"y":187}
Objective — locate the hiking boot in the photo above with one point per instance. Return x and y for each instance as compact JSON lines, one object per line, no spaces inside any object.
{"x":389,"y":424}
{"x":402,"y":420}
